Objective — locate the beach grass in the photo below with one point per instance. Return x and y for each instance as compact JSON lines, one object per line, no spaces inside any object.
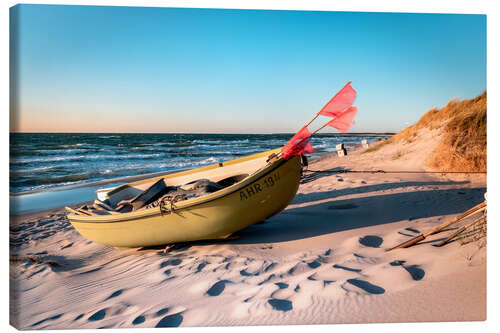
{"x":463,"y":143}
{"x":463,"y":146}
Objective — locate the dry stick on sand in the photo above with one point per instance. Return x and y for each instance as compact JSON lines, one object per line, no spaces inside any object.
{"x":474,"y":210}
{"x":459,"y":231}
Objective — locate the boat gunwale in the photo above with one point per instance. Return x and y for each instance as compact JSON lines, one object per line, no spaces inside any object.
{"x":137,"y":215}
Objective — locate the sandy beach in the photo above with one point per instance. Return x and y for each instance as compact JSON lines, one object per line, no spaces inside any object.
{"x":323,"y":260}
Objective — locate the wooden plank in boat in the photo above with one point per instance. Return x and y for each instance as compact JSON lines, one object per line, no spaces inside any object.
{"x":149,"y":195}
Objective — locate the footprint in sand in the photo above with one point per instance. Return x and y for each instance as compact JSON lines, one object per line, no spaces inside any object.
{"x":410,"y":230}
{"x":282,"y":285}
{"x":360,"y":259}
{"x":371,"y":241}
{"x":270,"y":266}
{"x":314,"y":264}
{"x":415,"y":271}
{"x":174,"y":320}
{"x":139,"y":320}
{"x":115,"y":294}
{"x":367,"y":286}
{"x":269,"y":278}
{"x":201,"y":266}
{"x":143,"y":317}
{"x":171,"y":262}
{"x":347,"y":268}
{"x":99,"y":315}
{"x":244,"y":272}
{"x":80,"y":316}
{"x":161,"y":312}
{"x":47,"y":319}
{"x":217,"y":288}
{"x":299,"y":268}
{"x":280,"y":304}
{"x":66,"y":246}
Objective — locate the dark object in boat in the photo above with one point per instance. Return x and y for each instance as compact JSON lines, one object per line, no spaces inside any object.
{"x":192,"y":189}
{"x":101,"y":205}
{"x":232,"y":180}
{"x":159,"y":192}
{"x":202,"y":184}
{"x":153,"y":193}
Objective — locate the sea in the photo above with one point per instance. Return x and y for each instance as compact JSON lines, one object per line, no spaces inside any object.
{"x":52,"y":162}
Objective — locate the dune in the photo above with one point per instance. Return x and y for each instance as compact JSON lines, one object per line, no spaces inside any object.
{"x":323,"y":260}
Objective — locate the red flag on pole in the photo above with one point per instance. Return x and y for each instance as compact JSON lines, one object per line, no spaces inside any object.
{"x":345,"y":120}
{"x":341,"y":101}
{"x":297,"y":145}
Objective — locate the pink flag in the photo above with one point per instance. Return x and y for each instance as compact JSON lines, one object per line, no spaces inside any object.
{"x":341,"y":101}
{"x":297,"y":145}
{"x":345,"y":120}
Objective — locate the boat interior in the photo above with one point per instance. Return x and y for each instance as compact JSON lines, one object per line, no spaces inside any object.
{"x":149,"y":193}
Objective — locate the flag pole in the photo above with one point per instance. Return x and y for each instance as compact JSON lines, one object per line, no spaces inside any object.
{"x":317,"y":114}
{"x":316,"y":131}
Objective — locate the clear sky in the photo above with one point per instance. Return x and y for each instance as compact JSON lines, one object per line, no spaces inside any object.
{"x":134,"y":69}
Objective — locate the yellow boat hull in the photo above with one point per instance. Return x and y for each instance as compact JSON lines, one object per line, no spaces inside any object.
{"x":261,"y":195}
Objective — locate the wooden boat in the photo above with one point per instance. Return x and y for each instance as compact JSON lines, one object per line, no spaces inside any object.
{"x":259,"y":186}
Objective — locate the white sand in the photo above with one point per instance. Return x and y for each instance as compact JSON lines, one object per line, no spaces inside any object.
{"x":322,"y":260}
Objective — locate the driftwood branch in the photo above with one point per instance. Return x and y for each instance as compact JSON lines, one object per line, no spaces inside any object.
{"x":474,"y":210}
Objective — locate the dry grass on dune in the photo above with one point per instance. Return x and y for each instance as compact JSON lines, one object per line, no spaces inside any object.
{"x":463,"y":145}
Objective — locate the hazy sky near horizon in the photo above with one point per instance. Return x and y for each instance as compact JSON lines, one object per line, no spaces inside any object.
{"x":139,"y":69}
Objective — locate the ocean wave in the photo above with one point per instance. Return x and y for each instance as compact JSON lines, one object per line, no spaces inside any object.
{"x":34,"y":169}
{"x":211,"y":142}
{"x":52,"y":160}
{"x":49,"y":152}
{"x":83,"y":158}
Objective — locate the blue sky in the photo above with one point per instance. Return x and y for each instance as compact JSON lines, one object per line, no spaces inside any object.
{"x":133,"y":69}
